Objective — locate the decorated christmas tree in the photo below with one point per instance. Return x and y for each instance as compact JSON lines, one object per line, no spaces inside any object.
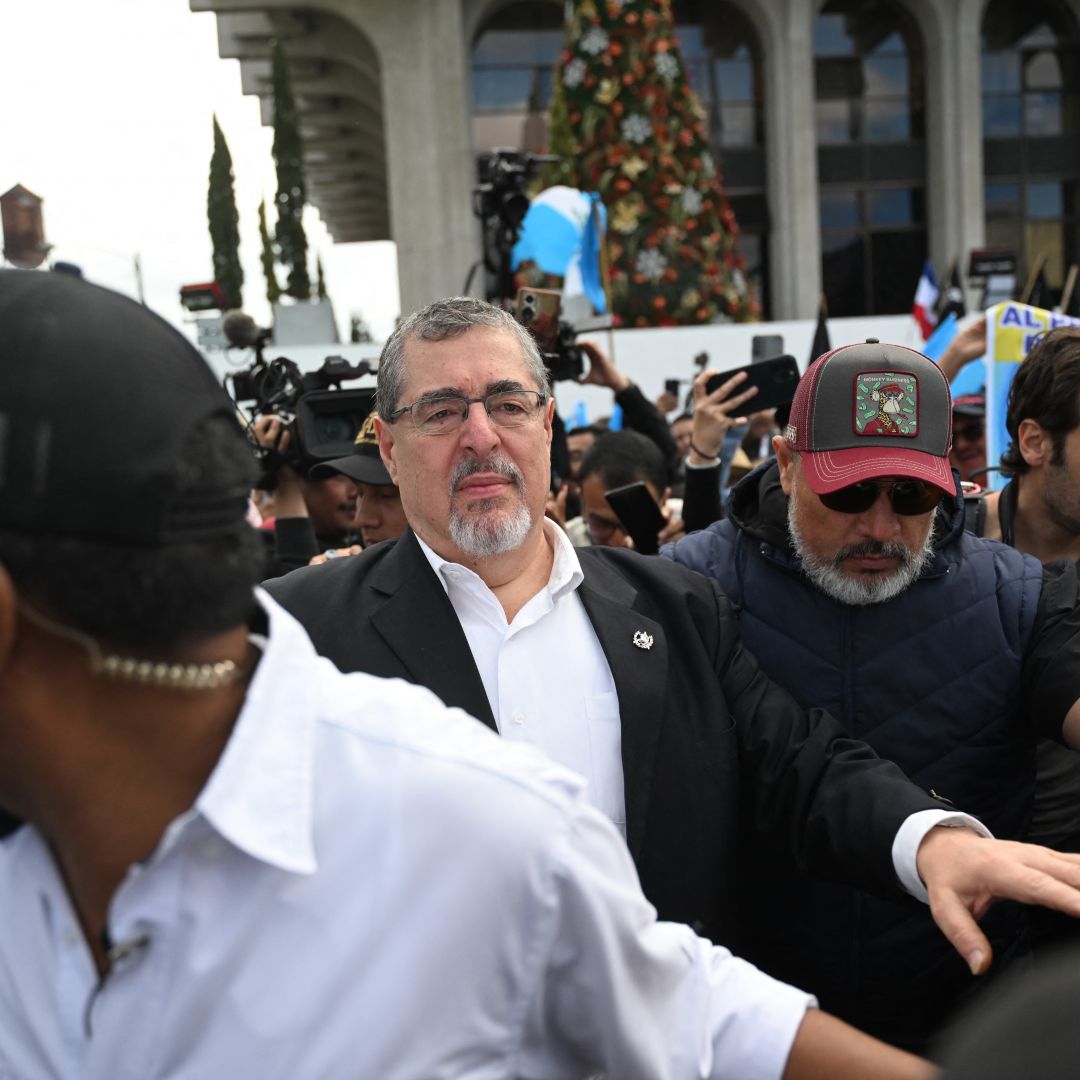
{"x":627,"y":125}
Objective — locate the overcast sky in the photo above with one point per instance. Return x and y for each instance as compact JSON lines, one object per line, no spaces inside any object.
{"x":107,"y":109}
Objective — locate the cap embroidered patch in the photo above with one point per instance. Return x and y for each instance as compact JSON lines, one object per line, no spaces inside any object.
{"x":366,"y":435}
{"x":886,"y":403}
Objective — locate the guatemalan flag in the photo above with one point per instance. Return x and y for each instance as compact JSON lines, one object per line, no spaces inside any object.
{"x":562,"y":234}
{"x":926,"y":295}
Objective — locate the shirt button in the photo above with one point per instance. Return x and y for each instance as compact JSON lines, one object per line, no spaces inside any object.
{"x":518,"y":717}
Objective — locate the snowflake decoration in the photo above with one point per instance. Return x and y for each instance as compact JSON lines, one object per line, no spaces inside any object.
{"x":594,"y":42}
{"x":667,"y":66}
{"x":651,"y":263}
{"x":708,"y":166}
{"x":574,"y":72}
{"x":692,"y":201}
{"x":636,"y":128}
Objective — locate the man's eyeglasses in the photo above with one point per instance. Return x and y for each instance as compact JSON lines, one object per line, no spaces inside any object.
{"x":447,"y":413}
{"x":971,"y":432}
{"x":601,"y":530}
{"x":908,"y":497}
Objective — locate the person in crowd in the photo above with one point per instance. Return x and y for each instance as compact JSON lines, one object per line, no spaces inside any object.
{"x":306,"y":514}
{"x":564,"y":505}
{"x":378,"y":515}
{"x":682,"y":428}
{"x":616,"y":459}
{"x":968,"y":454}
{"x":1038,"y":512}
{"x":180,"y":763}
{"x":859,"y":590}
{"x":638,"y":413}
{"x":626,"y":668}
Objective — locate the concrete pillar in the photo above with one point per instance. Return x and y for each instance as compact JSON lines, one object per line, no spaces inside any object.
{"x":954,"y":181}
{"x":787,"y":30}
{"x":423,"y":60}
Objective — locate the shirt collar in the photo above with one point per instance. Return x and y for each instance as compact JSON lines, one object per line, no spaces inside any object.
{"x":565,"y":574}
{"x":260,"y":796}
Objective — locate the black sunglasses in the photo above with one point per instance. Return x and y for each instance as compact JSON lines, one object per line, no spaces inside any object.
{"x":908,"y":497}
{"x":971,"y":432}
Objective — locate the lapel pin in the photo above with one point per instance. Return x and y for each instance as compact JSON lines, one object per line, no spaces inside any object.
{"x":643,"y":640}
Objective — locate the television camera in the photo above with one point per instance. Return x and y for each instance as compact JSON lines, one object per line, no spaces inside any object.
{"x":322,"y":418}
{"x":500,"y":202}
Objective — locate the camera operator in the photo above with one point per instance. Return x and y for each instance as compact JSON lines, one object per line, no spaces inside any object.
{"x":309,"y":515}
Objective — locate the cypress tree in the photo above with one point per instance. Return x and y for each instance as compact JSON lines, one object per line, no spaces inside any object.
{"x":273,"y":289}
{"x":629,"y":127}
{"x":224,"y":222}
{"x":291,"y":190}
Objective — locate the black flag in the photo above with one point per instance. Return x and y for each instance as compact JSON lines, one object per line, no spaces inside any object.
{"x":951,"y":301}
{"x":821,"y":343}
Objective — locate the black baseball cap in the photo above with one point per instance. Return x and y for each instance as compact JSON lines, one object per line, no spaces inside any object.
{"x":970,"y":404}
{"x":97,"y":397}
{"x":364,"y":464}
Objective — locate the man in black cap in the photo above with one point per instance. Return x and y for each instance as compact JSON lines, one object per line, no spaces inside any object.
{"x":968,"y":454}
{"x":859,"y":590}
{"x":379,"y":515}
{"x":234,"y":860}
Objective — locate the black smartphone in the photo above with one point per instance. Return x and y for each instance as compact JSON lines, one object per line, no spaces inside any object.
{"x":775,"y":379}
{"x":766,"y":347}
{"x":671,"y":386}
{"x":638,"y":514}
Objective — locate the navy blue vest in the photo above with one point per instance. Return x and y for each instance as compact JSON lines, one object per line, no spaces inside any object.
{"x":931,"y":680}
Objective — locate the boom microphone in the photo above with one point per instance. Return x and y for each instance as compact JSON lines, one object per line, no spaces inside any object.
{"x":241,"y":331}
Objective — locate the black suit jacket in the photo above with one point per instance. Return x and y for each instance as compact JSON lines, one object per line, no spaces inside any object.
{"x":712,"y":752}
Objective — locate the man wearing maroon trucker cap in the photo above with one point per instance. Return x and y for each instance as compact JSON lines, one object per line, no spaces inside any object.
{"x":858,"y":590}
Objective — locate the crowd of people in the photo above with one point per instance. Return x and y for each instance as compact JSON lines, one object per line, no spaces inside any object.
{"x":466,"y":787}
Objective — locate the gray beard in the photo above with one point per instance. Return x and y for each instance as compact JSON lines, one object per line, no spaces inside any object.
{"x":830,"y":578}
{"x":480,"y":533}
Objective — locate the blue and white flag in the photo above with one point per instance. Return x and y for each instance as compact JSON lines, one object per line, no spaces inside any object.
{"x":562,"y":235}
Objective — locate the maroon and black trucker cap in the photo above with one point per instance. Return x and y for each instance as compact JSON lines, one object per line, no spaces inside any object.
{"x":871,"y":410}
{"x":97,"y":397}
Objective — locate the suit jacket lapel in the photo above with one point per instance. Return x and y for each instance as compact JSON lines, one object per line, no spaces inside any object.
{"x":418,"y":623}
{"x":640,"y":675}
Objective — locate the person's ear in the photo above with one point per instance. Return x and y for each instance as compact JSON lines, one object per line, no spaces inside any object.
{"x":8,"y":612}
{"x":1034,"y":443}
{"x":384,"y":432}
{"x":785,"y":458}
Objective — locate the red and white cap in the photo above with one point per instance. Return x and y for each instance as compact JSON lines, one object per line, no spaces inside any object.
{"x":847,"y":429}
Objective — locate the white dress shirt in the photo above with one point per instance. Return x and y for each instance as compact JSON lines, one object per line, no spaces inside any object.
{"x":373,"y":886}
{"x":549,"y":683}
{"x":546,"y":677}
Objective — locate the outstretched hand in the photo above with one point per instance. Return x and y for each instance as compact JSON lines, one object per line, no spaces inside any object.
{"x":965,"y":873}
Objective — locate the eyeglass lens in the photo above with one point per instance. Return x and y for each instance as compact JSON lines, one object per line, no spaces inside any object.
{"x":507,"y":408}
{"x":908,"y":497}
